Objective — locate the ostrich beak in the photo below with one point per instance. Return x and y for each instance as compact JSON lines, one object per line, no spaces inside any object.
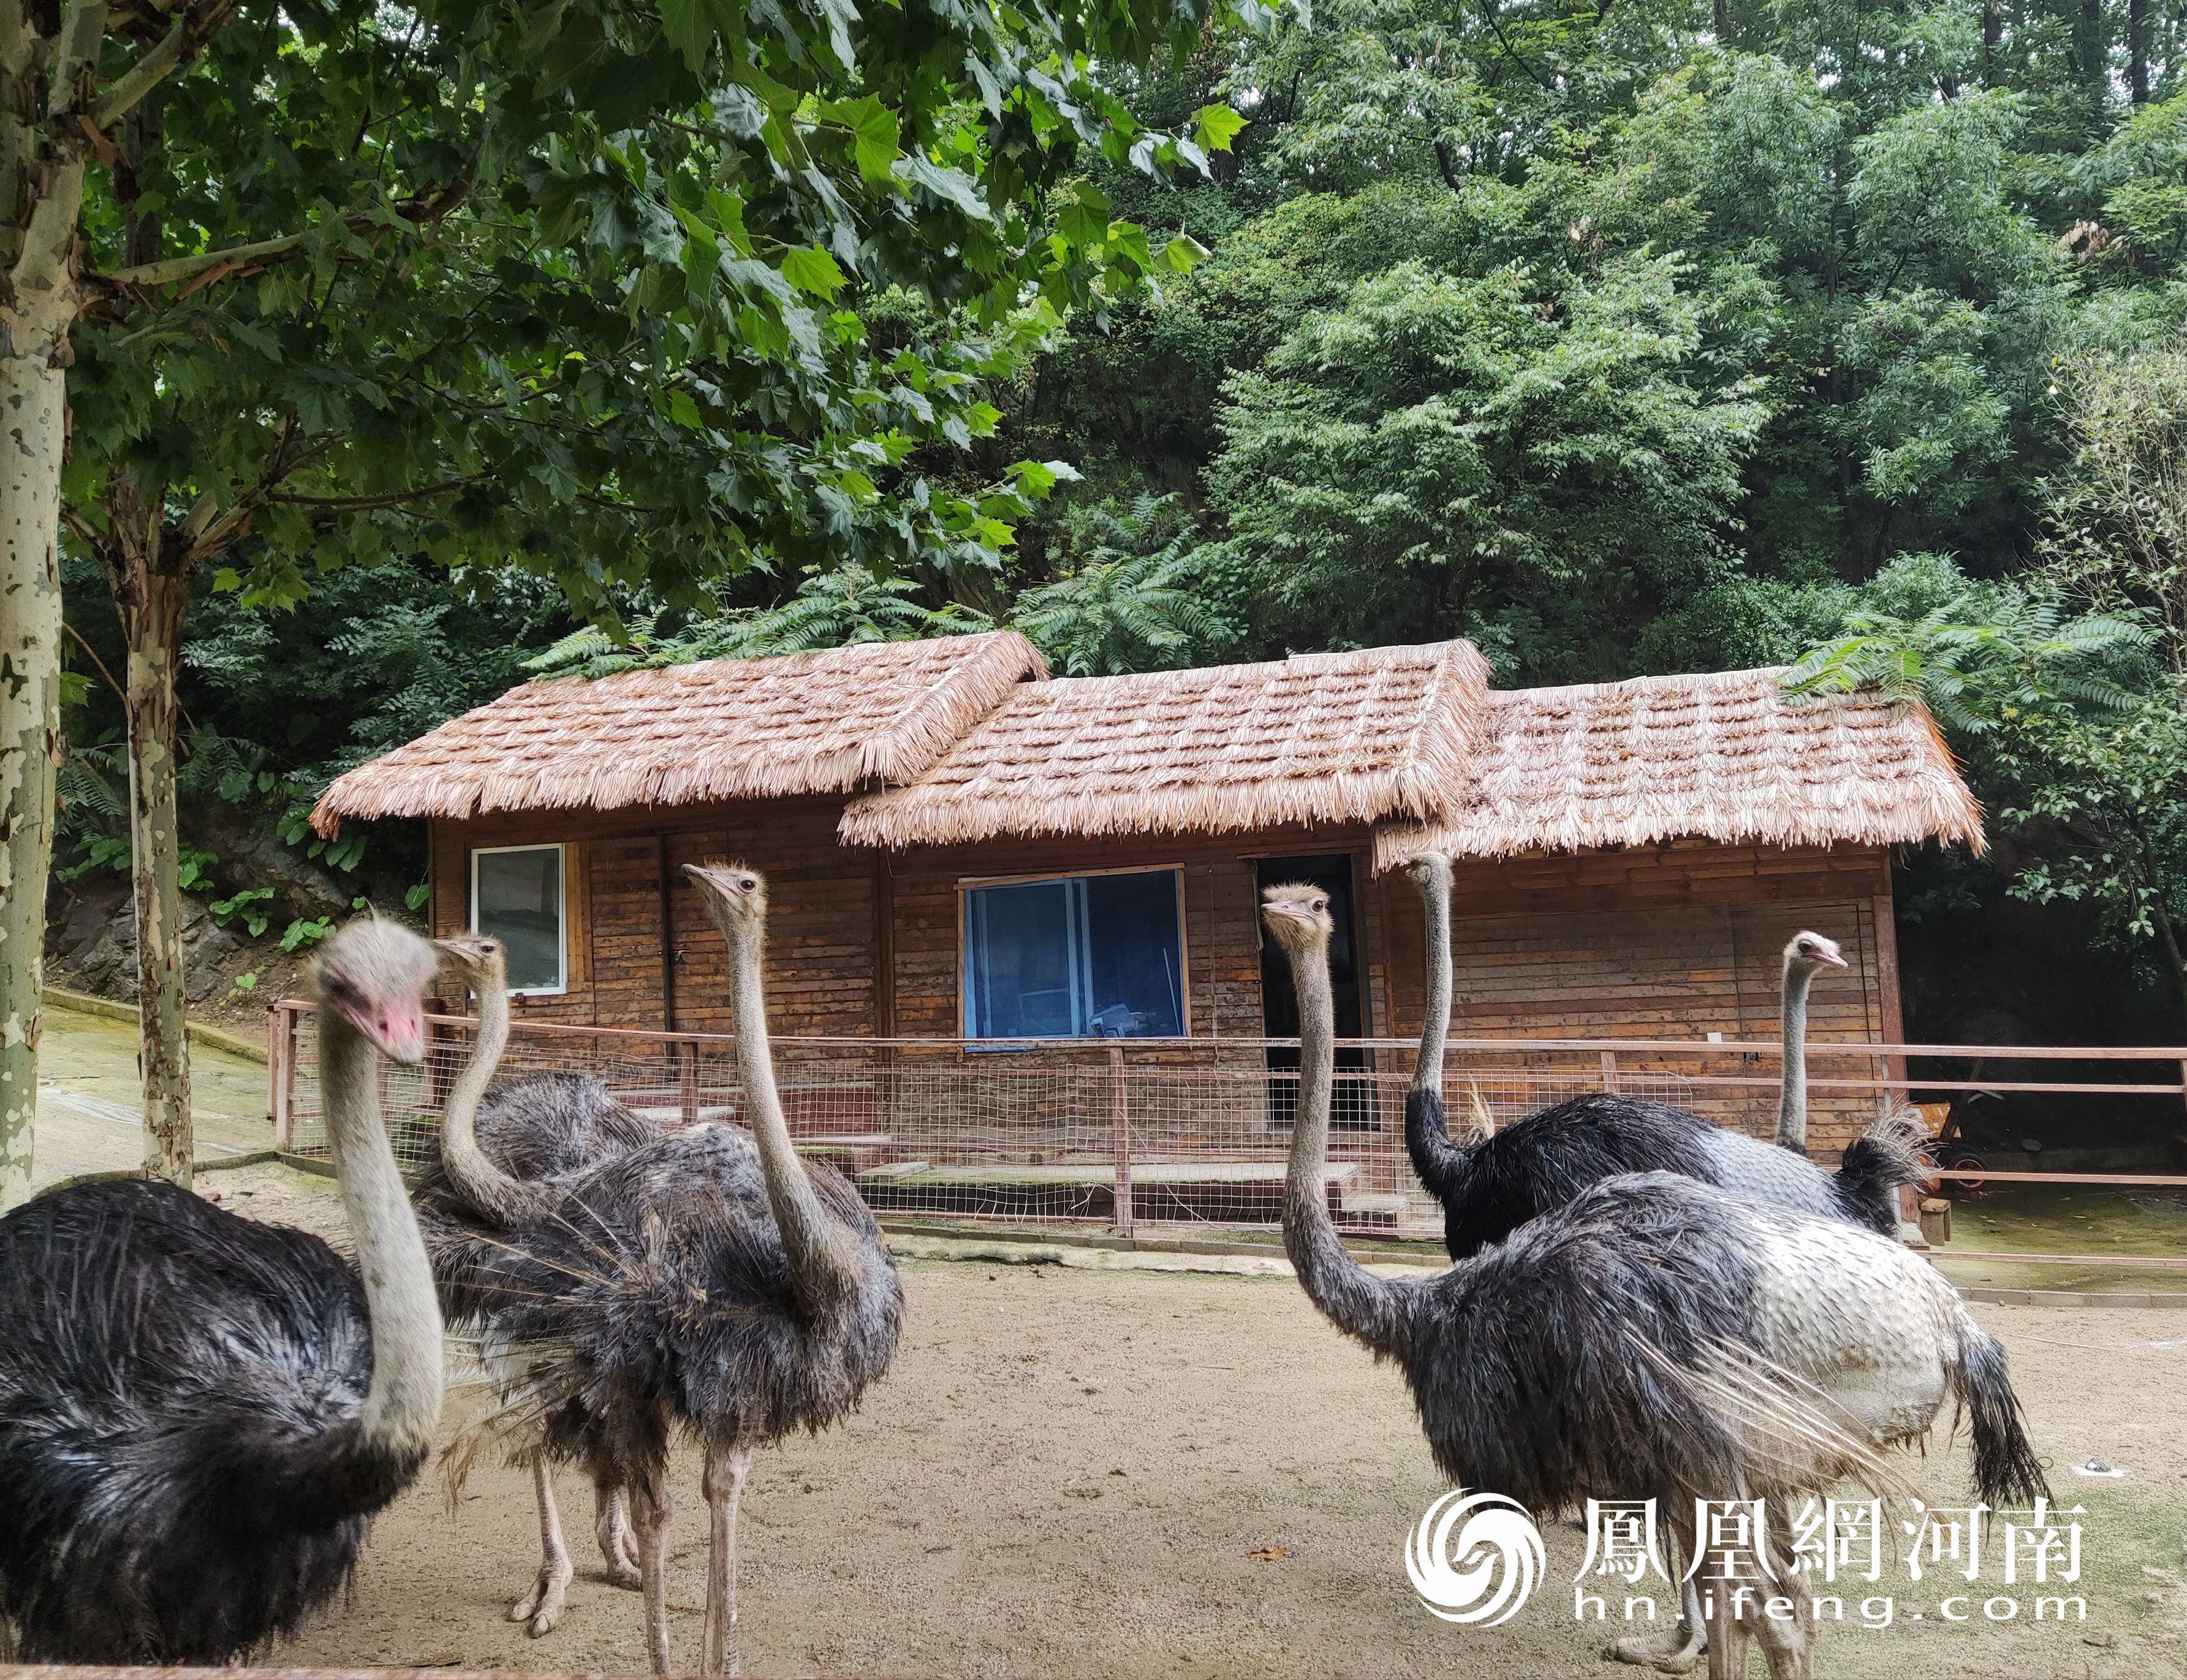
{"x":473,"y":955}
{"x":395,"y":1028}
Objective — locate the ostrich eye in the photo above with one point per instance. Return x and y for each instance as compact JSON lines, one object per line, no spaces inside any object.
{"x":747,"y":883}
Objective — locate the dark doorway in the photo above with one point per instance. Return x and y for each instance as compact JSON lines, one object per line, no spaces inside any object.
{"x":1353,"y":1107}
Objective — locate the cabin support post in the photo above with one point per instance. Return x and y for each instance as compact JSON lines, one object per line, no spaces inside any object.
{"x":1887,"y":986}
{"x":281,"y":1075}
{"x":1119,"y":1123}
{"x":687,"y":1067}
{"x":1609,"y":1072}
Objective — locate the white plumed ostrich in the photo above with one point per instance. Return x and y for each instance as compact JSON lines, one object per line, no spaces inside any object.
{"x":200,"y":1414}
{"x":505,"y":1153}
{"x":1488,"y":1186}
{"x":710,"y":1281}
{"x":1653,"y":1337}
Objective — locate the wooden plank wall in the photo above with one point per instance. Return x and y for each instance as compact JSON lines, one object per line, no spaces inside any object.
{"x":820,"y":975}
{"x":1674,"y":940}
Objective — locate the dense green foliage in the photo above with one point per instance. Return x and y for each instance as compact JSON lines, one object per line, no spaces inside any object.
{"x":1620,"y":339}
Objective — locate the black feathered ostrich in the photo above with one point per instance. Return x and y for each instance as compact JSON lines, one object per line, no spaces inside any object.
{"x":710,"y":1281}
{"x":1653,"y":1337}
{"x":1491,"y":1186}
{"x":199,"y":1414}
{"x":505,"y":1153}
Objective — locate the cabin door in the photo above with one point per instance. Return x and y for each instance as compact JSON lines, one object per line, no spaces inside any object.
{"x":1353,"y":1107}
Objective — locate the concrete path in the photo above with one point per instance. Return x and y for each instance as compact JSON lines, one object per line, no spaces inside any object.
{"x":91,"y":1116}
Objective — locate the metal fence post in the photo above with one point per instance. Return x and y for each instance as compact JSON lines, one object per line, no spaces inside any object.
{"x":1120,"y":1122}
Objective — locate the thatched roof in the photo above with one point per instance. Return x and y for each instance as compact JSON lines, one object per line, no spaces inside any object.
{"x":1722,"y":757}
{"x":752,"y":729}
{"x":1318,"y":738}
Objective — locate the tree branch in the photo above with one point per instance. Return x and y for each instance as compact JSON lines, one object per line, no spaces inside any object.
{"x":417,"y":212}
{"x":75,"y":59}
{"x":174,"y":268}
{"x":393,"y":499}
{"x":96,"y":661}
{"x":1443,"y":162}
{"x":1488,"y":11}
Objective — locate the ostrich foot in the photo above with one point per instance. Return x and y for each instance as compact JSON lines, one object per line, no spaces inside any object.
{"x":1673,"y":1651}
{"x":618,"y":1545}
{"x":542,"y":1607}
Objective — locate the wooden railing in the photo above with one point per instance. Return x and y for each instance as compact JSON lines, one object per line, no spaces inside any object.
{"x":1128,"y":1123}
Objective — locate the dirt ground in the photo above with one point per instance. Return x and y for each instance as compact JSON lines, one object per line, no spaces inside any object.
{"x":91,"y":1099}
{"x":1070,"y":1468}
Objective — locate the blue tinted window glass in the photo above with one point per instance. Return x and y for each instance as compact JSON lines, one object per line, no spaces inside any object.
{"x":1135,"y":957}
{"x":1022,"y":978}
{"x":1090,"y":957}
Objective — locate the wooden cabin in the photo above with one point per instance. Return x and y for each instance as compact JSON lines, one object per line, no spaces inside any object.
{"x":964,"y":851}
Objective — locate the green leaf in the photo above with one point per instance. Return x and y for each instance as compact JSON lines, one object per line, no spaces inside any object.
{"x":1082,"y":216}
{"x":877,"y":136}
{"x":1217,"y":127}
{"x":683,"y":411}
{"x":690,"y":26}
{"x":811,"y":270}
{"x":1181,"y":255}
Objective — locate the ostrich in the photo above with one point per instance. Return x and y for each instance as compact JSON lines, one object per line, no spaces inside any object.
{"x":1652,"y":1336}
{"x":199,"y":1414}
{"x":710,"y":1280}
{"x":1490,"y":1186}
{"x":501,"y":1152}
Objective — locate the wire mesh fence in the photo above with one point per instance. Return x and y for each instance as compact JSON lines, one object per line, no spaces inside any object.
{"x":1168,"y":1133}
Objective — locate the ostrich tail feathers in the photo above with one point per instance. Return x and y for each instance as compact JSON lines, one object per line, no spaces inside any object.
{"x":1480,"y":1119}
{"x":2007,"y":1472}
{"x":1772,"y":1428}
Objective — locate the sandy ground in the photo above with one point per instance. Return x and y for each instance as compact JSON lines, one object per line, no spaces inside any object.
{"x":1071,"y":1469}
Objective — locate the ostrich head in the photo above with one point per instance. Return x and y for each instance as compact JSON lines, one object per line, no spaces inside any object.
{"x":1428,"y":869}
{"x":735,"y":896}
{"x":480,"y":958}
{"x":1298,"y":915}
{"x":1813,"y":954}
{"x":374,"y":973}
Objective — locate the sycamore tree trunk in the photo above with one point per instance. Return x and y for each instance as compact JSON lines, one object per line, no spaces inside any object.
{"x":41,"y":201}
{"x":153,"y":599}
{"x":31,"y":405}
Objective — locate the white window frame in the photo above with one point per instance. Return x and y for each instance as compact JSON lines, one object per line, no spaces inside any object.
{"x":561,"y":852}
{"x":966,"y":884}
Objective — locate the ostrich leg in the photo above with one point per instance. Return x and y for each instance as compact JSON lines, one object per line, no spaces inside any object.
{"x":542,"y":1606}
{"x":611,"y":1528}
{"x":1676,"y":1649}
{"x":649,"y":1510}
{"x":726,"y":1470}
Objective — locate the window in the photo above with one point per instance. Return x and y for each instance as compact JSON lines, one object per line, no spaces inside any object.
{"x":516,"y":896}
{"x":1087,"y":957}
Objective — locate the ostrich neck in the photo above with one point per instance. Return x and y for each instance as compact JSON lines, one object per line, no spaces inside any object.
{"x":403,"y":1407}
{"x":483,"y":1184}
{"x":820,"y":1270}
{"x":1792,"y":1095}
{"x":1356,"y":1301}
{"x":1427,"y":1071}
